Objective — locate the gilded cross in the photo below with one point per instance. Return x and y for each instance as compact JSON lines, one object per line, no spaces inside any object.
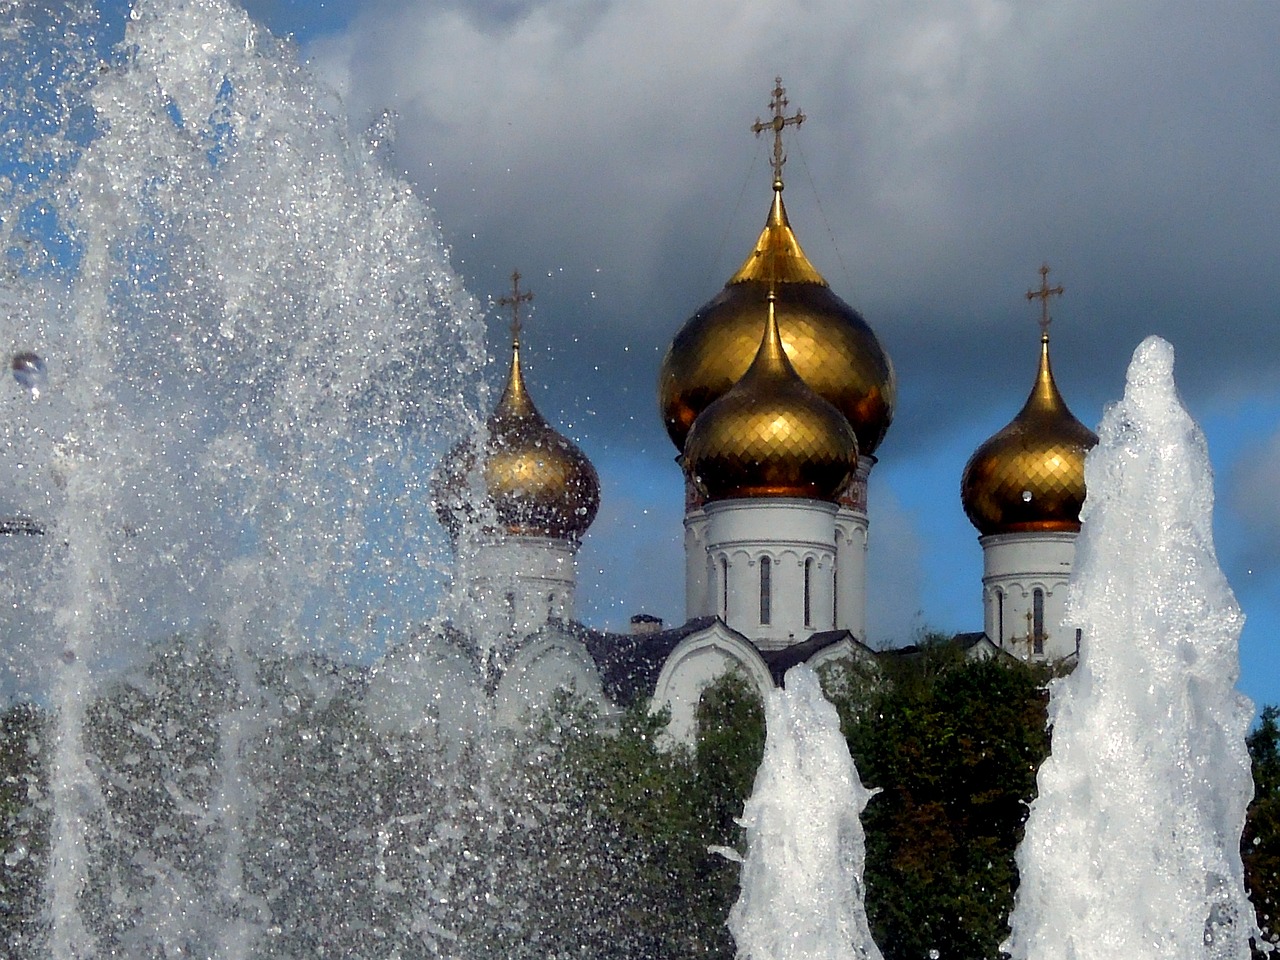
{"x":778,"y":105}
{"x":1043,"y":295}
{"x":514,"y":302}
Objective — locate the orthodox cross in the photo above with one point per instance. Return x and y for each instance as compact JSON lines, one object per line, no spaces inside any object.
{"x":778,"y":105}
{"x":514,"y":302}
{"x":1043,"y":295}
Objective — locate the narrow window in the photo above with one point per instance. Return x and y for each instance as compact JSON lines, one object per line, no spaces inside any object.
{"x":724,"y":588}
{"x":1037,"y":614}
{"x":835,"y":596}
{"x":1000,"y":616}
{"x":766,"y":590}
{"x":808,"y":592}
{"x":1077,"y":641}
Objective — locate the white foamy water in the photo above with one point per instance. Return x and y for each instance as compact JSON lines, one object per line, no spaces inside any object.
{"x":802,"y":894}
{"x":242,"y":345}
{"x":1132,"y":847}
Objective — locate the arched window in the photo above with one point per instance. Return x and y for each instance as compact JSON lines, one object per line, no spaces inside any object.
{"x":766,"y":590}
{"x":1037,"y":617}
{"x":808,"y":592}
{"x":835,"y":596}
{"x":724,"y":588}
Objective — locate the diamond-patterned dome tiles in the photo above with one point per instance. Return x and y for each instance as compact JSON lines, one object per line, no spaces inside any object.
{"x":1030,"y":475}
{"x":771,"y":435}
{"x":539,"y":481}
{"x":829,"y":344}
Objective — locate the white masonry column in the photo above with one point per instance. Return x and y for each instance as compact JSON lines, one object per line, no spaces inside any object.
{"x":698,"y":598}
{"x":853,"y":528}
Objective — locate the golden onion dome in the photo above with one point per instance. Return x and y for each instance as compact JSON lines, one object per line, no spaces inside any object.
{"x":829,"y":344}
{"x":538,"y":481}
{"x":771,"y":435}
{"x":1030,"y":475}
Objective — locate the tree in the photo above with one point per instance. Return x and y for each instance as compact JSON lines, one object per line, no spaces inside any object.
{"x":1260,"y":844}
{"x":954,"y":746}
{"x":24,"y":825}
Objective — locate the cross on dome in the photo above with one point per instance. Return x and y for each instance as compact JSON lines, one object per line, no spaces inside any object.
{"x":778,"y":105}
{"x":514,"y":301}
{"x":1043,"y":295}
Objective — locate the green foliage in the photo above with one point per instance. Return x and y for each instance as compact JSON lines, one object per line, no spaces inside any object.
{"x":625,"y":820}
{"x":24,"y":824}
{"x":954,"y":746}
{"x":584,"y":836}
{"x":1260,"y":844}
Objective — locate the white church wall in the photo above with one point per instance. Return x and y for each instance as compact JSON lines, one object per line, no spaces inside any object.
{"x":695,"y":664}
{"x":698,"y":573}
{"x":550,"y":663}
{"x":852,"y":533}
{"x":519,"y":583}
{"x":853,"y":526}
{"x":1017,"y":567}
{"x":795,"y":540}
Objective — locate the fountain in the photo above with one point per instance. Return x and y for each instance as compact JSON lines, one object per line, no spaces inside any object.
{"x":236,"y":348}
{"x":1132,"y":848}
{"x":802,"y":893}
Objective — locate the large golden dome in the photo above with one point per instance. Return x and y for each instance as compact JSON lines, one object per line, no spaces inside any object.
{"x":539,"y":482}
{"x":829,"y":344}
{"x":1030,"y":475}
{"x":771,"y":435}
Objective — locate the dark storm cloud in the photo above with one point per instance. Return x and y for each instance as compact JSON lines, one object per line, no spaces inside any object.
{"x":949,"y":150}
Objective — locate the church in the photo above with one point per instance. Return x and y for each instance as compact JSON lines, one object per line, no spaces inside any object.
{"x":776,"y":395}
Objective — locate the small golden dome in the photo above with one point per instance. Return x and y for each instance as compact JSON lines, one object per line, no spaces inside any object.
{"x":540,"y":483}
{"x":1030,"y":475}
{"x":771,"y":435}
{"x":829,"y":344}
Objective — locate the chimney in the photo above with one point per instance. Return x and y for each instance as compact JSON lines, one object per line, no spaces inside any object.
{"x":643,"y":624}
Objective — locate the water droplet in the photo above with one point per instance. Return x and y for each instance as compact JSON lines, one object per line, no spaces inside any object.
{"x":29,"y":371}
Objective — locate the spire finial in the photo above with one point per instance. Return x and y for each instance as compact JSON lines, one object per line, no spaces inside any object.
{"x":514,"y":301}
{"x":1043,"y":295}
{"x":778,"y":105}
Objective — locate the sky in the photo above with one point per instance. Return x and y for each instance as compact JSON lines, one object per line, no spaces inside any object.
{"x":603,"y":148}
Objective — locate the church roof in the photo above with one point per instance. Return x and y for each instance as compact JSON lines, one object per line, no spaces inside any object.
{"x":780,"y":661}
{"x":827,"y":341}
{"x":629,"y":663}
